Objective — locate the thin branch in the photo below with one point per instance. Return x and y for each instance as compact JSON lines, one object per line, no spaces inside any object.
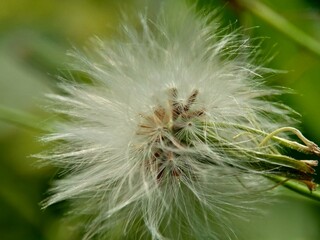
{"x":296,"y":187}
{"x":282,"y":24}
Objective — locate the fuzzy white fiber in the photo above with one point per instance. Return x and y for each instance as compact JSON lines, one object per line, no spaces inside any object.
{"x":148,"y":148}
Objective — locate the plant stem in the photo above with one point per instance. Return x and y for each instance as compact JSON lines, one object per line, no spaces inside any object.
{"x":310,"y":147}
{"x":285,"y":167}
{"x":296,"y":187}
{"x":283,"y":25}
{"x":274,"y":159}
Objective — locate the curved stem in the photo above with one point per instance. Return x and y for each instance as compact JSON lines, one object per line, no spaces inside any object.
{"x":285,"y":167}
{"x":271,"y":158}
{"x":310,"y":148}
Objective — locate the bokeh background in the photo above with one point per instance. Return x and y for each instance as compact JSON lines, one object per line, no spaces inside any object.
{"x":35,"y":36}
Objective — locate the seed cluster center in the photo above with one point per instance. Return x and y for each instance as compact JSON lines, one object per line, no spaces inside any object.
{"x":164,"y":129}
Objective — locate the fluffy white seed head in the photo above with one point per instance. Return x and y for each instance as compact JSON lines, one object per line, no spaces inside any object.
{"x":151,"y":148}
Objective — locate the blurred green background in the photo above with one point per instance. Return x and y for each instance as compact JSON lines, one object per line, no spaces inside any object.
{"x":34,"y":38}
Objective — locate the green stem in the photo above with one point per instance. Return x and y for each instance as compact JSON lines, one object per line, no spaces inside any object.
{"x":283,"y":25}
{"x":309,"y":149}
{"x":296,"y":187}
{"x":282,"y":160}
{"x":21,"y":119}
{"x":274,"y":159}
{"x":301,"y":169}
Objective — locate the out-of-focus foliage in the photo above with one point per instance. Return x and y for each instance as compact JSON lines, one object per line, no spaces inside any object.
{"x":34,"y":38}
